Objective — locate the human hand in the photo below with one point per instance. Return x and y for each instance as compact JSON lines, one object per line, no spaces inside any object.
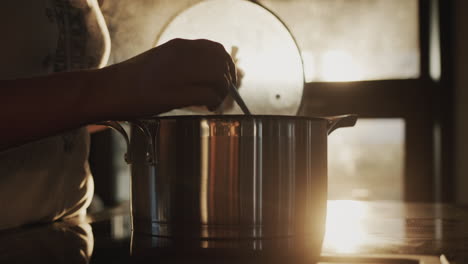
{"x":176,"y":74}
{"x":229,"y":102}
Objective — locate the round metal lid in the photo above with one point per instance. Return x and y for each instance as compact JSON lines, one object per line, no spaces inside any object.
{"x":262,"y":46}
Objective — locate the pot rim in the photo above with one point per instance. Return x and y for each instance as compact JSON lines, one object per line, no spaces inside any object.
{"x":237,"y":116}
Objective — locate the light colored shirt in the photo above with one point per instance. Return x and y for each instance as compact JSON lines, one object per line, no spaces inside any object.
{"x":48,"y":179}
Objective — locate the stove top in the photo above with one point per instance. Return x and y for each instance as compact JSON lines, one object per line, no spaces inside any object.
{"x":382,"y":259}
{"x":106,"y":238}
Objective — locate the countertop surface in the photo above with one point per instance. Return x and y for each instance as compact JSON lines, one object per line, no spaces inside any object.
{"x":354,"y":229}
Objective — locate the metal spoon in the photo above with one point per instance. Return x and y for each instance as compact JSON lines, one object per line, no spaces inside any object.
{"x":236,"y":96}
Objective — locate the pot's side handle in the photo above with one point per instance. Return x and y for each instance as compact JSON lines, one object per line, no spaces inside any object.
{"x":335,"y":122}
{"x":150,"y":133}
{"x":117,"y":127}
{"x":150,"y":151}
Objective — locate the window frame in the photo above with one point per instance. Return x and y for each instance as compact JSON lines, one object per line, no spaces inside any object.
{"x":426,"y":105}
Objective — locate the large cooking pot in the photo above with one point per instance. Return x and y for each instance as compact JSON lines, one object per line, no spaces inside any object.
{"x":230,"y":177}
{"x":256,"y":182}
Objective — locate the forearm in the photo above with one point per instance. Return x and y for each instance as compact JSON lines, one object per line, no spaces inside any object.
{"x":176,"y":74}
{"x":41,"y":106}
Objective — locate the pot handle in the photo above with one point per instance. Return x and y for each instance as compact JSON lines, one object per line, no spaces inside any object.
{"x":335,"y":122}
{"x":117,"y":127}
{"x":150,"y":152}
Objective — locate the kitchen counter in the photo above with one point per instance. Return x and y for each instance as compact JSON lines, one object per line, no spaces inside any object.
{"x":354,"y":229}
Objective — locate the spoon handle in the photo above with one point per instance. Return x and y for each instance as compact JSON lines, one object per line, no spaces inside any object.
{"x":236,"y":96}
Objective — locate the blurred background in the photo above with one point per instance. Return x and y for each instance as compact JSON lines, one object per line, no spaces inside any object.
{"x":399,"y":64}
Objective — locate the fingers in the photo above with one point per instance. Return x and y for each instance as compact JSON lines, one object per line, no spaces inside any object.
{"x":204,"y":67}
{"x":232,"y":73}
{"x":230,"y":66}
{"x":218,"y":49}
{"x":210,"y":93}
{"x":229,"y":77}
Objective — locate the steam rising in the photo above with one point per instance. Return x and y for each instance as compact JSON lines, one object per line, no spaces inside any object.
{"x":135,"y":25}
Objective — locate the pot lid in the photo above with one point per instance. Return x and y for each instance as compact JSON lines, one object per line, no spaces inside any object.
{"x":272,"y":75}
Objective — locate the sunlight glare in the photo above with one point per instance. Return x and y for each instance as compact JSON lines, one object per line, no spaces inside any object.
{"x":339,"y":66}
{"x":345,"y":230}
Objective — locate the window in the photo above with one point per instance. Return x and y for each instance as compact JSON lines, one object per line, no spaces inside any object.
{"x":353,"y":40}
{"x":366,"y":162}
{"x":385,"y":61}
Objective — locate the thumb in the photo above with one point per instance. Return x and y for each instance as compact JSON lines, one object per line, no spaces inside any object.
{"x":210,"y":94}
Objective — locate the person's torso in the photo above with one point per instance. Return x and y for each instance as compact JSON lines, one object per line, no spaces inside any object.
{"x":41,"y":37}
{"x":45,"y":36}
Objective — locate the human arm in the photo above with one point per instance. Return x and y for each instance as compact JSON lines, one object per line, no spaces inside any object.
{"x":176,"y":74}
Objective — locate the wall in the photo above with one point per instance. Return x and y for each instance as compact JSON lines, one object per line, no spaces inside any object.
{"x":461,"y":100}
{"x":135,"y":25}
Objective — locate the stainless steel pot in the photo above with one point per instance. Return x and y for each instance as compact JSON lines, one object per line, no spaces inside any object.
{"x":231,"y":176}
